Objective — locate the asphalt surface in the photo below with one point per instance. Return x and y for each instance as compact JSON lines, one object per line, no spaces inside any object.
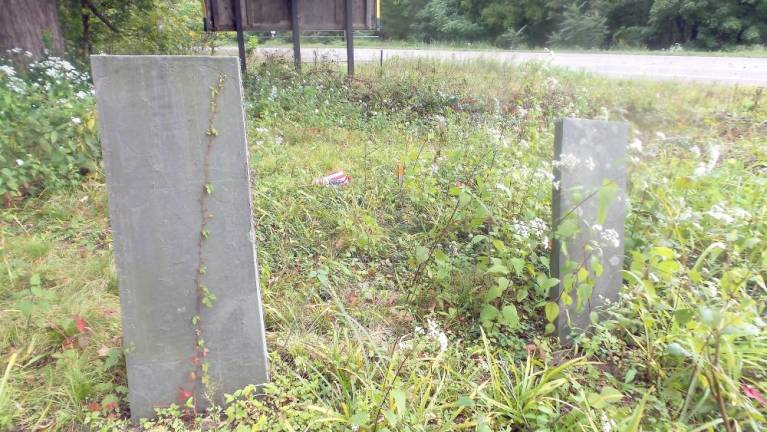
{"x":724,"y":70}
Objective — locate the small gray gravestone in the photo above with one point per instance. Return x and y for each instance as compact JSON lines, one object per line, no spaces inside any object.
{"x":588,"y":211}
{"x":176,"y":161}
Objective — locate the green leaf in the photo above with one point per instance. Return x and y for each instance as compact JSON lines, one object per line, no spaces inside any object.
{"x":567,"y":228}
{"x":359,"y":419}
{"x":548,"y":283}
{"x":552,"y":311}
{"x":630,"y":374}
{"x":464,"y":198}
{"x":498,"y":267}
{"x":605,"y":196}
{"x":522,"y":294}
{"x":683,"y":316}
{"x":517,"y":264}
{"x":510,"y":317}
{"x":489,"y":313}
{"x":676,"y":350}
{"x":710,"y":317}
{"x":464,"y":402}
{"x":606,"y":397}
{"x":663,"y":252}
{"x":421,"y":254}
{"x":400,"y":399}
{"x":493,"y":293}
{"x":26,"y":307}
{"x":34,"y":280}
{"x":669,"y":267}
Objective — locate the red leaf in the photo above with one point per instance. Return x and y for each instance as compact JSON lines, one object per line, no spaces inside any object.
{"x":183,"y":395}
{"x":94,"y":406}
{"x":753,"y":393}
{"x":79,"y":323}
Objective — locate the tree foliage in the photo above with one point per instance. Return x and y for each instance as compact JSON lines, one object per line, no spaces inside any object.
{"x":704,"y":24}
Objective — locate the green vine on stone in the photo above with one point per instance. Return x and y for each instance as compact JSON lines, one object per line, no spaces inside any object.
{"x":199,"y":375}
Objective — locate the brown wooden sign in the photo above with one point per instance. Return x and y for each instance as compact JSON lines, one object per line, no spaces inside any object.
{"x":266,"y":15}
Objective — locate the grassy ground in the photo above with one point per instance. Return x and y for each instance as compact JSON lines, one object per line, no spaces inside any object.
{"x":309,"y":42}
{"x":376,"y":295}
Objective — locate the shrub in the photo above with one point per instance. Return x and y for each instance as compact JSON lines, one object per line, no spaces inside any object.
{"x":48,"y":137}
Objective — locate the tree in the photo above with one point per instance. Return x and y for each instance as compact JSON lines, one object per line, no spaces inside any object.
{"x":444,"y":20}
{"x":580,"y":28}
{"x":709,"y":24}
{"x":31,"y":25}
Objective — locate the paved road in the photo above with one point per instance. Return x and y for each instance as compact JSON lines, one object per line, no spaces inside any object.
{"x":728,"y":70}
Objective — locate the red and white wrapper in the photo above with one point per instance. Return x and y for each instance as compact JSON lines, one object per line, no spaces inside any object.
{"x":336,"y":178}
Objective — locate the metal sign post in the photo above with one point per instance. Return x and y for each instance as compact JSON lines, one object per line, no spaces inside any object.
{"x":240,"y":34}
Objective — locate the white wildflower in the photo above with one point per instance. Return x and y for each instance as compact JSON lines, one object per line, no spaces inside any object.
{"x":541,"y":173}
{"x":705,"y":168}
{"x":19,"y":162}
{"x":437,"y":334}
{"x":713,"y":157}
{"x":611,"y":237}
{"x":607,"y":425}
{"x":8,"y":70}
{"x":16,"y":84}
{"x":76,"y":120}
{"x":636,"y":145}
{"x":278,"y":140}
{"x":739,"y":213}
{"x":719,"y":213}
{"x":695,"y":150}
{"x":534,"y":228}
{"x":589,"y":163}
{"x":566,"y":160}
{"x":405,"y":345}
{"x":81,"y":95}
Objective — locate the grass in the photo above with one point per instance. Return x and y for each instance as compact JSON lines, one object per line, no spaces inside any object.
{"x":309,"y":42}
{"x":373,"y":293}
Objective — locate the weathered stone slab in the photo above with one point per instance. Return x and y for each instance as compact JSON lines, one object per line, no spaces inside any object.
{"x":176,"y":162}
{"x":588,"y":211}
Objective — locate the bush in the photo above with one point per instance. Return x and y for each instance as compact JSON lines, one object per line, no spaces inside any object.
{"x":48,"y":137}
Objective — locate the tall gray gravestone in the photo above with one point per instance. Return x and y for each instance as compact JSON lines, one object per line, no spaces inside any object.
{"x":176,"y":162}
{"x":588,"y":212}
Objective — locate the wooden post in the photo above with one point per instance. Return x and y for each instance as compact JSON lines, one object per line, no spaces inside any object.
{"x":240,"y":34}
{"x":349,"y":30}
{"x":295,"y":27}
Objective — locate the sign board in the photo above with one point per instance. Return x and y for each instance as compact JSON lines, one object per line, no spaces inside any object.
{"x":266,"y":15}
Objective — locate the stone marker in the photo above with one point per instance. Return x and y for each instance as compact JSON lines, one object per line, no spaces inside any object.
{"x":588,"y":212}
{"x":176,"y":162}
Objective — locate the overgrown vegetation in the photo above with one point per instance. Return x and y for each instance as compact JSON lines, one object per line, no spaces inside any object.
{"x":702,"y":24}
{"x":420,"y":304}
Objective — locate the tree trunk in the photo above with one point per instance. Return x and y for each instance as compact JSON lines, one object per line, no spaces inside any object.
{"x":32,"y":25}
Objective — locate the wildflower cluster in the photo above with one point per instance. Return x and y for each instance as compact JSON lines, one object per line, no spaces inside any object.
{"x":432,"y":332}
{"x":53,"y":141}
{"x":535,"y":228}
